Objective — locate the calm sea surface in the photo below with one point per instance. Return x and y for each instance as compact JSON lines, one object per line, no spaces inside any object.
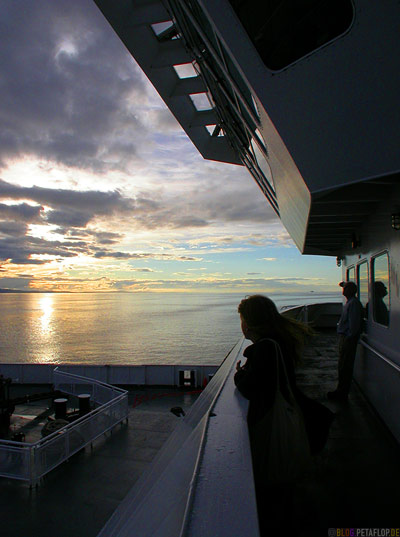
{"x":124,"y":328}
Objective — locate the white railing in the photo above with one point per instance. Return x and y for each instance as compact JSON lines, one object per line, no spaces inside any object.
{"x":31,"y":461}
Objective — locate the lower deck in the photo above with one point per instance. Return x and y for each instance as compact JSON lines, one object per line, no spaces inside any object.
{"x":354,"y":482}
{"x":77,"y":498}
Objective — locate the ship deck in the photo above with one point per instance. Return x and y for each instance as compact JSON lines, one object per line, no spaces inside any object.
{"x":354,"y":482}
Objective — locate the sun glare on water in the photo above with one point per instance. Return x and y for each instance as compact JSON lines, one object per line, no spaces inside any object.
{"x":46,"y":305}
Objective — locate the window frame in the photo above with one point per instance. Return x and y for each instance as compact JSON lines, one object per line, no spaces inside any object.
{"x":348,"y":270}
{"x":306,"y":55}
{"x":373,"y":259}
{"x":359,"y":265}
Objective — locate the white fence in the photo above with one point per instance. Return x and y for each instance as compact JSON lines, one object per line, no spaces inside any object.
{"x":31,"y":461}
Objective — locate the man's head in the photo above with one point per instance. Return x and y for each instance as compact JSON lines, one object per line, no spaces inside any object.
{"x":349,"y":289}
{"x":380,"y":290}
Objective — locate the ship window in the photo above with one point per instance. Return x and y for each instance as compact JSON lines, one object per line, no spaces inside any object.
{"x":284,"y":31}
{"x":165,"y":31}
{"x":201,"y":101}
{"x":362,"y":277}
{"x":185,"y":70}
{"x":215,"y":130}
{"x":380,"y":289}
{"x":351,"y":274}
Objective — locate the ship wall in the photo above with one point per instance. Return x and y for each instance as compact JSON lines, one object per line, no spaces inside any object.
{"x":377,"y":368}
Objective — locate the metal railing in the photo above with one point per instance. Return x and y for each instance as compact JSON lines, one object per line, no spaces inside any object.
{"x":31,"y":461}
{"x":300,"y":313}
{"x":380,"y":355}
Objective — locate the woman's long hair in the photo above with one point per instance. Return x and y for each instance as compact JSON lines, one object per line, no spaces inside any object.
{"x":264,"y":320}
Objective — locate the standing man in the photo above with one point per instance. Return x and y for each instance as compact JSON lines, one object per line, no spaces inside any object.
{"x":349,"y":330}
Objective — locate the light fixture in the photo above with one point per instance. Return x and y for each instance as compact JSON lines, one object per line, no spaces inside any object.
{"x":339,"y":261}
{"x":396,"y":221}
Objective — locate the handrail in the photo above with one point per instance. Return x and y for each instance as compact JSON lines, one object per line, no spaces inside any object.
{"x":190,"y":497}
{"x":93,"y":381}
{"x":384,"y":358}
{"x":15,"y":443}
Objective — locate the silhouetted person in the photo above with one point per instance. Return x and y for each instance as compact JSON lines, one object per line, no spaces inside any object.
{"x":349,"y":330}
{"x":256,"y":380}
{"x":381,"y":313}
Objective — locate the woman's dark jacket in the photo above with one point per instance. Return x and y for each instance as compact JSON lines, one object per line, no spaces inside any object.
{"x":256,"y":381}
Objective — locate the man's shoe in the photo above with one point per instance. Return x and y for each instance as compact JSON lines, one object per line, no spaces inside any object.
{"x":337,"y":396}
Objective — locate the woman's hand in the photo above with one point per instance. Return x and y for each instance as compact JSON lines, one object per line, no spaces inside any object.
{"x":238,"y":366}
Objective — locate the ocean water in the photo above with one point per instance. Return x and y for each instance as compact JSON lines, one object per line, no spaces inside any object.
{"x":124,"y":328}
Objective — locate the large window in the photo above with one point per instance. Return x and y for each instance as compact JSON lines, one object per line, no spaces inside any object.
{"x":284,"y":31}
{"x":362,"y":281}
{"x":380,"y":289}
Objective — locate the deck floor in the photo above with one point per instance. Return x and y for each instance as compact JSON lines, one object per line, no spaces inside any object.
{"x":355,"y":481}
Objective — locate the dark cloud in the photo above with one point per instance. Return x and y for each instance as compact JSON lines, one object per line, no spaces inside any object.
{"x":13,"y":229}
{"x":68,"y":208}
{"x":101,"y":237}
{"x":66,"y":86}
{"x":19,"y":249}
{"x":190,"y":221}
{"x":102,"y":254}
{"x":71,"y":209}
{"x":18,"y":283}
{"x":88,"y":201}
{"x":21,"y":211}
{"x":68,"y":218}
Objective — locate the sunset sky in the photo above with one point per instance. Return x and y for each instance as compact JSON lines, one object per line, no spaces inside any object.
{"x":101,"y":190}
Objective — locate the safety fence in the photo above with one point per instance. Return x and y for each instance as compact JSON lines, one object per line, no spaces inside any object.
{"x":31,"y":461}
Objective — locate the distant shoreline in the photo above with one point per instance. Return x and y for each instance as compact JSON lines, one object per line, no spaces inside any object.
{"x":23,"y":291}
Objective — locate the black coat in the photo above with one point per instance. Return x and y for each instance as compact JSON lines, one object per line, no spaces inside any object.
{"x":256,"y":381}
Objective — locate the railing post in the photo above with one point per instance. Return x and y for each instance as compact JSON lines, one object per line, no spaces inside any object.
{"x":32,"y":467}
{"x":67,"y":443}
